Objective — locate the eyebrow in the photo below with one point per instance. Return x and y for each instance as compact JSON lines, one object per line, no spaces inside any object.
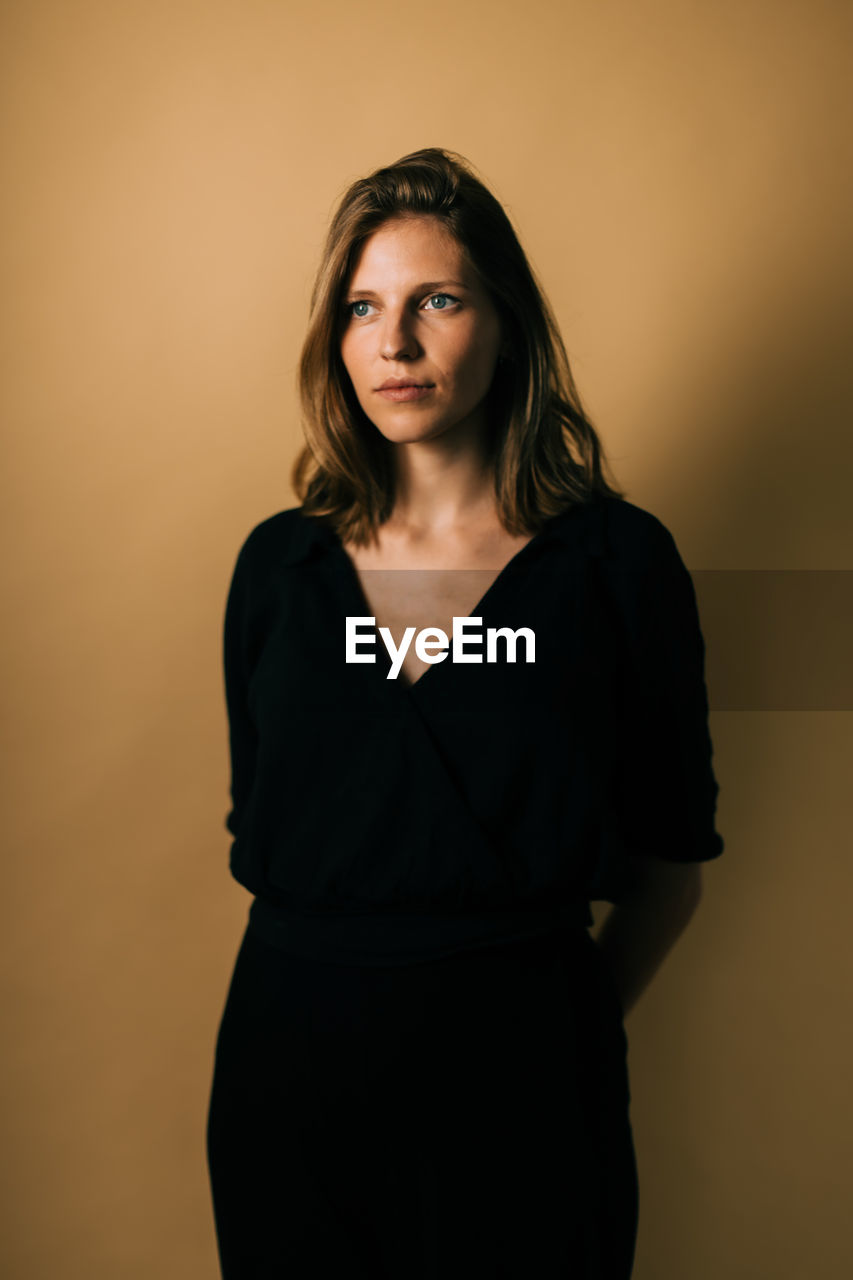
{"x":428,"y":286}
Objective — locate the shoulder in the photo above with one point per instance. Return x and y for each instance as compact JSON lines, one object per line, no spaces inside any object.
{"x":617,"y":531}
{"x":634,"y":536}
{"x":633,"y":528}
{"x":284,"y":538}
{"x":643,"y":571}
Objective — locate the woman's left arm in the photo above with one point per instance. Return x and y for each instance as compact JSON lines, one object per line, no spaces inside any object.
{"x":641,"y":929}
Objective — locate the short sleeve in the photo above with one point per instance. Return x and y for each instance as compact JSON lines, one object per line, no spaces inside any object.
{"x":664,"y":791}
{"x":242,"y":732}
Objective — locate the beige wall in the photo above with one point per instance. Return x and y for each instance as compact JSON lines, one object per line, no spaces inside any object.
{"x":680,"y":175}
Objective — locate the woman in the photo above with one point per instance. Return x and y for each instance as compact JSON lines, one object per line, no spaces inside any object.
{"x":421,"y":1069}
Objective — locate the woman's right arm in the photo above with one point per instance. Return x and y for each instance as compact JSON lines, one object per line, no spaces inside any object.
{"x":242,"y":734}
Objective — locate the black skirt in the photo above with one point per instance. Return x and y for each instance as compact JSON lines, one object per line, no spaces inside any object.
{"x":456,"y":1118}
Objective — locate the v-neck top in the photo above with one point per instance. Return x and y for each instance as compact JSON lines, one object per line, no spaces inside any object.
{"x":378,"y":821}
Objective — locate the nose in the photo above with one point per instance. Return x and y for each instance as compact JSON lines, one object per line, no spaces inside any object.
{"x":398,"y":339}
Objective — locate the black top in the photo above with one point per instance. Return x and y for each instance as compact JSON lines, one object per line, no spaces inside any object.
{"x":378,"y":821}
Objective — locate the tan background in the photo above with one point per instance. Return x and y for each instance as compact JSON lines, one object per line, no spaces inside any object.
{"x":680,"y":175}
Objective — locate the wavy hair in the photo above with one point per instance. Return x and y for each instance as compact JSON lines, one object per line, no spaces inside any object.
{"x":545,"y":453}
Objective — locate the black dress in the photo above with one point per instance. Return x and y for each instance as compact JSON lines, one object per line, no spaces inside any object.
{"x":421,"y":1069}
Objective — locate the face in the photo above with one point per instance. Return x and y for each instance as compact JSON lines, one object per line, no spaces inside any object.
{"x":417,"y":312}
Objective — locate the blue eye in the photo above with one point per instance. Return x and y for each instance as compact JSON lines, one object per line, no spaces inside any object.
{"x":446,"y":296}
{"x":360,"y":307}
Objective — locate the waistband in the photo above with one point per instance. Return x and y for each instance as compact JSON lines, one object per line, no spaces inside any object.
{"x":405,"y":938}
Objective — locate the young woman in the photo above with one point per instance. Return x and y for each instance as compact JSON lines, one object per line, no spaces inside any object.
{"x":465,"y":687}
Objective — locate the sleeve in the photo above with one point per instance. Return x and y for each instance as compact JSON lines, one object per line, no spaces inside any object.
{"x":664,"y":790}
{"x":243,"y":739}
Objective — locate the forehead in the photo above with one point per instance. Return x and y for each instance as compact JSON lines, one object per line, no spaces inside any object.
{"x":419,"y":247}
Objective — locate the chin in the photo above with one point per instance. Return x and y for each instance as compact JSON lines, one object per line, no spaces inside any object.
{"x":415,"y":437}
{"x":410,"y":432}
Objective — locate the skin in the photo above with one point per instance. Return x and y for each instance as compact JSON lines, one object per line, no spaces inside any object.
{"x":450,"y":335}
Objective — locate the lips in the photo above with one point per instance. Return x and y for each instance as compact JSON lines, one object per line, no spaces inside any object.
{"x":392,"y":383}
{"x":405,"y":391}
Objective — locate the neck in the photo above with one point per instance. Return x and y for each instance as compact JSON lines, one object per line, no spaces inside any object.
{"x":444,"y":484}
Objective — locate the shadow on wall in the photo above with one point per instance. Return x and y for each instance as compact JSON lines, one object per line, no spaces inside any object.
{"x":769,"y":399}
{"x":763,"y":404}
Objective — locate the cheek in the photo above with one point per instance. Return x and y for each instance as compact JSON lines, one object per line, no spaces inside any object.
{"x":350,"y":359}
{"x":480,"y":362}
{"x":478,"y":349}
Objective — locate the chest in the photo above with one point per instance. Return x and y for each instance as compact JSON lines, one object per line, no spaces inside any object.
{"x":404,"y":589}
